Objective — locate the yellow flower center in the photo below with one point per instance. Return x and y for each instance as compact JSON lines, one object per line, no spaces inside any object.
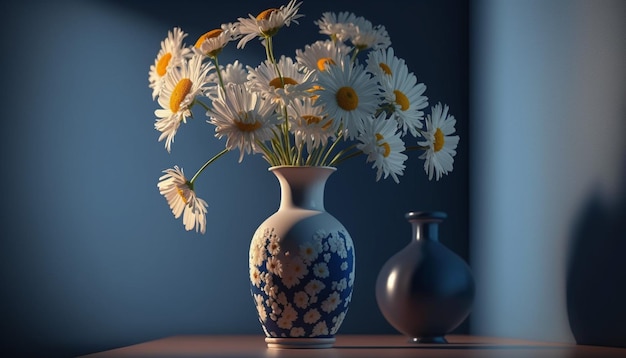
{"x":209,"y":35}
{"x":385,"y":68}
{"x":311,"y":119}
{"x":265,"y":14}
{"x":402,"y":100}
{"x":161,"y":67}
{"x":179,"y":93}
{"x":277,"y":83}
{"x":323,"y":62}
{"x":181,"y":193}
{"x":385,"y":145}
{"x":247,"y":127}
{"x":439,"y":140}
{"x":347,"y":98}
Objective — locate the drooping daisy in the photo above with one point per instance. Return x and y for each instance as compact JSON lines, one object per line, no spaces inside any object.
{"x":439,"y":157}
{"x":381,"y":142}
{"x":182,"y":85}
{"x":318,"y":55}
{"x":182,"y":199}
{"x":348,"y":94}
{"x":267,"y":23}
{"x":309,"y":124}
{"x":338,"y":26}
{"x":281,"y":82}
{"x":403,"y":95}
{"x":172,"y":53}
{"x":365,"y":35}
{"x":212,"y":42}
{"x":244,"y":117}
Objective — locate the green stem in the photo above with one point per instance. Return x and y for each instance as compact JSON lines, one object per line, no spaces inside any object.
{"x":215,"y":157}
{"x":204,"y":105}
{"x":217,"y":69}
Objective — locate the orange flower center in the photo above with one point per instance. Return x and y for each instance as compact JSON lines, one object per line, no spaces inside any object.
{"x":209,"y":35}
{"x":385,"y":68}
{"x":277,"y":83}
{"x":161,"y":67}
{"x":265,"y":14}
{"x":439,"y":140}
{"x":323,"y":62}
{"x":181,"y":193}
{"x":179,"y":93}
{"x":385,"y":145}
{"x":311,"y":119}
{"x":347,"y":98}
{"x":248,"y":127}
{"x":402,"y":100}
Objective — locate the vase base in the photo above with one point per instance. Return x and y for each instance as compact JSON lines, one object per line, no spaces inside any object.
{"x":434,"y":339}
{"x":273,"y":342}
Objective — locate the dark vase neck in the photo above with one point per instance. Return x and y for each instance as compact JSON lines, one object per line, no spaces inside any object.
{"x":302,"y":187}
{"x":425,"y":224}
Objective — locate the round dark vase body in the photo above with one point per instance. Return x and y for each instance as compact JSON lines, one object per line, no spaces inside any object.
{"x":425,"y":290}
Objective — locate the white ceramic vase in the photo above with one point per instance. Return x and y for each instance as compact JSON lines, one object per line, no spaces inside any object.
{"x":301,"y":264}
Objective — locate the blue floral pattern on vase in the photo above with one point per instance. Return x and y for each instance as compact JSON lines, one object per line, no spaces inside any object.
{"x":304,"y":293}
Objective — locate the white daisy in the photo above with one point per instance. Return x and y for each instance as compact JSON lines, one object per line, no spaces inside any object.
{"x":232,"y":73}
{"x":314,"y":287}
{"x":282,"y":82}
{"x":338,"y":26}
{"x":320,"y":269}
{"x":403,"y":96}
{"x":309,"y":124}
{"x":301,"y":299}
{"x":318,"y":55}
{"x":255,"y":276}
{"x":441,"y":144}
{"x":331,"y":302}
{"x":348,"y":94}
{"x":244,"y":117}
{"x":365,"y":36}
{"x":181,"y":87}
{"x":308,"y":252}
{"x":211,"y":43}
{"x":182,"y":199}
{"x":320,"y":329}
{"x":267,"y":23}
{"x":171,"y":55}
{"x":296,"y":332}
{"x":384,"y":64}
{"x":312,"y":316}
{"x":273,"y":265}
{"x":383,"y":145}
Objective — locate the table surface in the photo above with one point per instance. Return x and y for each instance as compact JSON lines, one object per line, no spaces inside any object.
{"x":362,"y":346}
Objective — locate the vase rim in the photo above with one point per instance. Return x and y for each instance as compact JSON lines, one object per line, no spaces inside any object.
{"x":301,"y":166}
{"x":426,"y":215}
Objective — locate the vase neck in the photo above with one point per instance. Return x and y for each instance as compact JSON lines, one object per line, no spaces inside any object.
{"x":425,"y":224}
{"x":302,"y":187}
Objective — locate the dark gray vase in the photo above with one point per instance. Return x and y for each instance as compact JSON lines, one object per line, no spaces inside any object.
{"x":425,"y":290}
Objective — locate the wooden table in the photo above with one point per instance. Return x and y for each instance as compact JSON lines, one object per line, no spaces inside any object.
{"x":362,"y":346}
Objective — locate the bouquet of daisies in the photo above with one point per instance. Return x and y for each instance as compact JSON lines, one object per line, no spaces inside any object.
{"x":340,"y":97}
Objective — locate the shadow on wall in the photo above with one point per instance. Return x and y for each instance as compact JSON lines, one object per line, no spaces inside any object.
{"x":596,"y":276}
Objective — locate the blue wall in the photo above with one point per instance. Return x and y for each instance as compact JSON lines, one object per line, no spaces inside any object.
{"x":91,"y":256}
{"x":548,"y":173}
